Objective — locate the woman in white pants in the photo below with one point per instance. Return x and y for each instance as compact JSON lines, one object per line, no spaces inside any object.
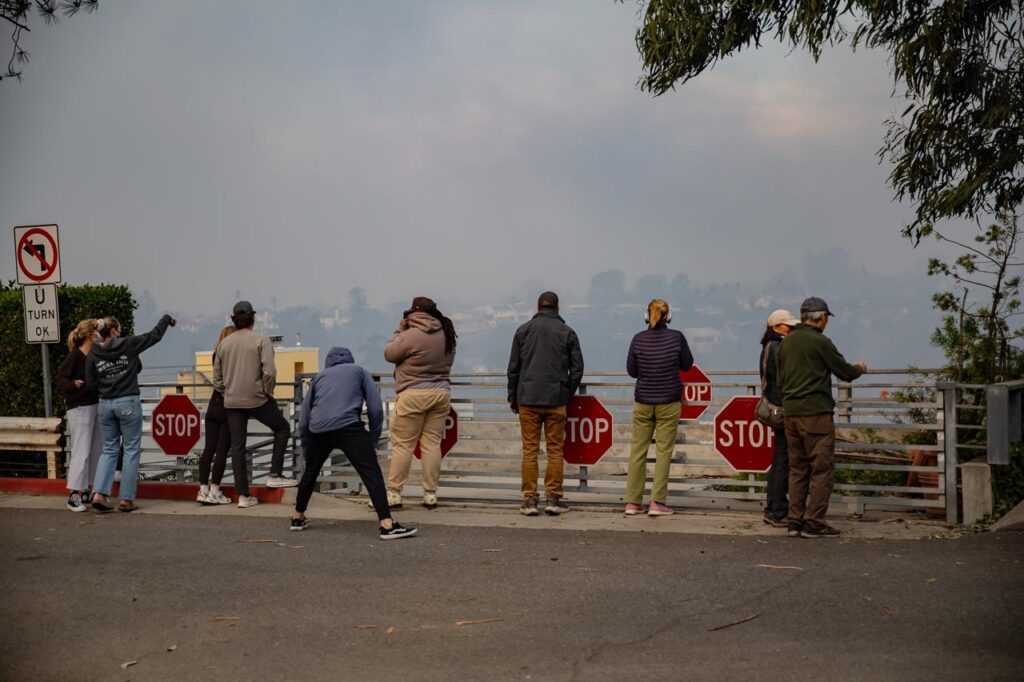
{"x":83,"y":421}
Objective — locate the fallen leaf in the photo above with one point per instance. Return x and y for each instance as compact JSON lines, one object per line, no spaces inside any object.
{"x":172,"y":647}
{"x":932,"y":580}
{"x":390,"y":630}
{"x":367,"y":626}
{"x":258,"y":542}
{"x":128,"y":664}
{"x":554,"y":558}
{"x":892,"y":610}
{"x":764,"y":542}
{"x":223,"y":618}
{"x":782,"y":568}
{"x":587,"y":569}
{"x":482,"y":621}
{"x":494,"y":550}
{"x":866,"y":598}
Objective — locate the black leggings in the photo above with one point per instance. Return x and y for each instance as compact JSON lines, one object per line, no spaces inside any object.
{"x":218,"y":439}
{"x":268,"y":414}
{"x":354,"y":442}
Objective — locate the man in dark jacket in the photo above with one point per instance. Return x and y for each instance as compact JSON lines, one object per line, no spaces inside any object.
{"x":332,"y":418}
{"x":807,"y":361}
{"x":545,"y":368}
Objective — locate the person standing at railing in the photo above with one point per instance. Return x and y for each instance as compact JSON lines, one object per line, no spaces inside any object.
{"x":422,"y":350}
{"x":776,"y":507}
{"x":244,"y":371}
{"x":807,"y":361}
{"x":112,"y":370}
{"x":545,"y":368}
{"x":86,"y":442}
{"x":332,"y":418}
{"x":656,"y":357}
{"x":218,"y":441}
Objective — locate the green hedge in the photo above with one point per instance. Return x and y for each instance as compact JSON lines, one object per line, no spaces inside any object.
{"x":21,"y":364}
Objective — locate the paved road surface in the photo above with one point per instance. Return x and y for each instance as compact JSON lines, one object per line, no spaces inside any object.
{"x":84,"y":594}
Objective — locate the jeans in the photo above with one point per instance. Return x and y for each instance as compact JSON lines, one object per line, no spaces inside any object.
{"x":86,"y":443}
{"x":268,"y":414}
{"x":120,"y":418}
{"x":552,"y":420}
{"x":218,"y":440}
{"x":354,"y":441}
{"x":661,"y":421}
{"x":777,"y":501}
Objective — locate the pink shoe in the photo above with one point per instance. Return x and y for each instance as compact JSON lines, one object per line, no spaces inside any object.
{"x":659,"y":509}
{"x":634,"y":509}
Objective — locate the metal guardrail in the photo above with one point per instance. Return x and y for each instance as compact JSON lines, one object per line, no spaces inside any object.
{"x":871,"y":430}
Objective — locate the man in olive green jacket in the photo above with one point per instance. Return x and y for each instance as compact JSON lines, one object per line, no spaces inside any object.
{"x":807,"y":361}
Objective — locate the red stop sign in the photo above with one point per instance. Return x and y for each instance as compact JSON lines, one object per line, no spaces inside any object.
{"x":696,"y":389}
{"x":449,"y":436}
{"x":588,"y":430}
{"x":176,"y":423}
{"x":745,"y":443}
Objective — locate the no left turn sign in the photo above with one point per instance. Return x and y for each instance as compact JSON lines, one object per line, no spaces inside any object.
{"x":37,"y":252}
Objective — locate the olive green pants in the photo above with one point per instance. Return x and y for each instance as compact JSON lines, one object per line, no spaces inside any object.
{"x":661,"y":421}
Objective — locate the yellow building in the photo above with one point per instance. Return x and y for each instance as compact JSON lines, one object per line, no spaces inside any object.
{"x":289,"y":363}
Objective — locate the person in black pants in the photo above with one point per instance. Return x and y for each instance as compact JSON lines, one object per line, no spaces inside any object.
{"x":776,"y":507}
{"x":332,"y":419}
{"x":218,"y":440}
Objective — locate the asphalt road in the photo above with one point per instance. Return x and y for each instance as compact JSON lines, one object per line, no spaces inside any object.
{"x":244,"y":599}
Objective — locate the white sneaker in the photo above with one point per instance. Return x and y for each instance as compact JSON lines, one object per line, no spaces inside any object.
{"x":430,"y":500}
{"x":217,"y":497}
{"x":244,"y":502}
{"x":203,"y":497}
{"x":394,"y":501}
{"x":281,"y":482}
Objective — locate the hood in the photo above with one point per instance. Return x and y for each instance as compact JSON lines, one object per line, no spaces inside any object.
{"x":109,"y":349}
{"x":424,"y":322}
{"x":338,"y":356}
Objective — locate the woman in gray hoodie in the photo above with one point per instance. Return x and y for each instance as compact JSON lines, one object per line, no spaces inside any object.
{"x":112,"y":370}
{"x":422,"y":350}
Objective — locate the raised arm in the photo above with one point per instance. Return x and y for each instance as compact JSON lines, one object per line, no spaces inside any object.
{"x":138,"y":344}
{"x":837,"y":364}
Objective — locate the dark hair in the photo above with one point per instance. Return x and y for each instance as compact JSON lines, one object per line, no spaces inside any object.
{"x":426,"y":305}
{"x":768,"y":335}
{"x":548,"y":299}
{"x":244,"y":320}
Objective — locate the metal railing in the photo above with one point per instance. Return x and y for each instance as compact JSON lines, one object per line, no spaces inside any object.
{"x":897,"y":439}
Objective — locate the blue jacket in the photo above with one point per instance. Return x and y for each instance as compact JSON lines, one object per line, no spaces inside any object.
{"x":336,"y":396}
{"x":655,"y":358}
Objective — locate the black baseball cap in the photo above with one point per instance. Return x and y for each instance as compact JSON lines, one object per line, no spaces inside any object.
{"x":815,"y":305}
{"x":242,"y":307}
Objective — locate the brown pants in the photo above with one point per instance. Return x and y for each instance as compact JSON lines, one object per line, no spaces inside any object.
{"x":552,"y":419}
{"x":812,"y":465}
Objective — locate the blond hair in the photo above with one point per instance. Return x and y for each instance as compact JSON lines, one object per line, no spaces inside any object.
{"x":657,"y":310}
{"x":85,"y":330}
{"x":224,"y":333}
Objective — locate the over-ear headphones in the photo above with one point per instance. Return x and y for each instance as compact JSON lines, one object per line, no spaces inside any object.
{"x":647,"y":315}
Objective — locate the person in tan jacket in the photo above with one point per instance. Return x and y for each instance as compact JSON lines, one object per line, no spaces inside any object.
{"x":422,"y":350}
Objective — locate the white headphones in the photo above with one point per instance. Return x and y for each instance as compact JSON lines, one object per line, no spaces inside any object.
{"x":647,"y":315}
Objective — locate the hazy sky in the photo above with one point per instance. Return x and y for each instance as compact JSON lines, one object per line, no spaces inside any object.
{"x":452,"y":148}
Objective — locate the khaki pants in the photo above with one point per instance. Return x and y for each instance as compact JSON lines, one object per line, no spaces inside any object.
{"x":812,"y":463}
{"x":418,"y":419}
{"x":552,"y":420}
{"x":661,"y":421}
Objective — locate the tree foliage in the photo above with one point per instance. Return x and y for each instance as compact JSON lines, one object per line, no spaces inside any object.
{"x":957,"y":149}
{"x":18,"y":13}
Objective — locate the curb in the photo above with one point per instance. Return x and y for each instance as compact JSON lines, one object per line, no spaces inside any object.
{"x":147,"y":490}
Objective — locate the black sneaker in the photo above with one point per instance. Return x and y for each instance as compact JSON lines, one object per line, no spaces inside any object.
{"x":775,"y":521}
{"x":823,"y":531}
{"x":87,"y":497}
{"x":794,"y":529}
{"x":555,"y":506}
{"x":75,"y":503}
{"x":529,"y":508}
{"x":300,"y":524}
{"x":396,"y":532}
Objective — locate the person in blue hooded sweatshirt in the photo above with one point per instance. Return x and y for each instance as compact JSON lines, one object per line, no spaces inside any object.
{"x":331,"y":419}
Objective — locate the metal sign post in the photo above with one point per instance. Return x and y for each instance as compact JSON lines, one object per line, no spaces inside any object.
{"x":37,"y":259}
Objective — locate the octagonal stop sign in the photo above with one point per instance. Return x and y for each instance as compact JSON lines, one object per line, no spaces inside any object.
{"x":449,"y":436}
{"x":176,"y":424}
{"x":588,"y":430}
{"x":696,"y":389}
{"x":745,"y":443}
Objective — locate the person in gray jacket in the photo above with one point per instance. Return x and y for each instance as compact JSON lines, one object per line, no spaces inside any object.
{"x":545,"y":368}
{"x":331,"y":419}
